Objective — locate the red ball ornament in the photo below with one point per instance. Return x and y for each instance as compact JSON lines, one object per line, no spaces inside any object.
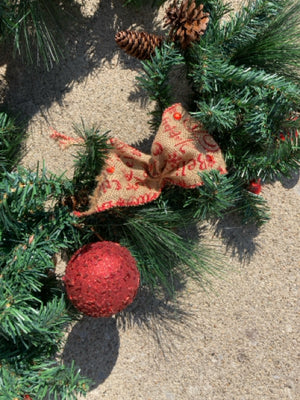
{"x":102,"y":279}
{"x":255,"y":186}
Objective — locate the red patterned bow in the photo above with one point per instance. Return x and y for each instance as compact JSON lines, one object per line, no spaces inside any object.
{"x":181,"y":149}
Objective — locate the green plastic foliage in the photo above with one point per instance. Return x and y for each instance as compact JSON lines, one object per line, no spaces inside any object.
{"x":33,"y":309}
{"x":31,"y":26}
{"x":11,"y":137}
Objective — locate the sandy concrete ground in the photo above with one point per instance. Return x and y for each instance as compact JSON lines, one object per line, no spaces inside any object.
{"x":237,"y":341}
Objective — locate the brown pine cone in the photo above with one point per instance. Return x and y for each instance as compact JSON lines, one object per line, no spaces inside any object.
{"x":138,"y":44}
{"x":188,"y":22}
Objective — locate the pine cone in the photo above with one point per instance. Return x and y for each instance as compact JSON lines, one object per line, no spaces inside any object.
{"x":188,"y":22}
{"x":138,"y":44}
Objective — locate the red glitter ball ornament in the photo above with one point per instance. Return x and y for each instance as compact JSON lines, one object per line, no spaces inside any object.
{"x":255,"y":186}
{"x":101,"y":279}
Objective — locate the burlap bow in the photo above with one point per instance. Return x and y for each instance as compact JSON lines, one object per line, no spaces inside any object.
{"x":181,"y":149}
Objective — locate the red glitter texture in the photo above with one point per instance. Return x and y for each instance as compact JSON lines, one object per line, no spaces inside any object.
{"x":102,"y":279}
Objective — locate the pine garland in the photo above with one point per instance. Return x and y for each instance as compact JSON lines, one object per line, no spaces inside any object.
{"x":245,"y":80}
{"x":34,"y":310}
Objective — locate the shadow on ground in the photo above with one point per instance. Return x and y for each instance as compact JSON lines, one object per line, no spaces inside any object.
{"x":292,"y":181}
{"x":88,"y":44}
{"x":238,"y":238}
{"x":93,"y":345}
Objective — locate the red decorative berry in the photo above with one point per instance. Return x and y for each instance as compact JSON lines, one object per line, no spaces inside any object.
{"x":177,"y":116}
{"x":102,"y":279}
{"x":77,"y":213}
{"x":282,"y":137}
{"x":27,"y":397}
{"x":110,"y":170}
{"x":255,"y":186}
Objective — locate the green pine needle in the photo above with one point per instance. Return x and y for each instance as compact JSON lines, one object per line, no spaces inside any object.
{"x":151,"y":234}
{"x":163,"y":256}
{"x":276,"y":46}
{"x":252,"y":208}
{"x":32,"y":26}
{"x":11,"y":138}
{"x":215,"y":198}
{"x":90,"y":157}
{"x":47,"y":379}
{"x":154,"y":78}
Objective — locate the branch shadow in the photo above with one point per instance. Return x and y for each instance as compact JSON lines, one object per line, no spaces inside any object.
{"x":88,"y":44}
{"x":291,"y":181}
{"x":179,"y":88}
{"x":93,"y":343}
{"x":238,"y":238}
{"x":157,"y":310}
{"x":159,"y":316}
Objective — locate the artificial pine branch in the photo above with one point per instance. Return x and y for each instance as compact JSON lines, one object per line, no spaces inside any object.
{"x":217,"y":10}
{"x":88,"y":163}
{"x":211,"y":72}
{"x":11,"y":137}
{"x":33,"y":317}
{"x":252,"y":208}
{"x":90,"y":157}
{"x":271,"y":164}
{"x":219,"y":196}
{"x":215,"y":198}
{"x":242,"y":28}
{"x":275,"y":45}
{"x":155,"y":78}
{"x":30,"y":26}
{"x":218,"y":112}
{"x":164,"y":256}
{"x":247,"y":109}
{"x":187,"y":259}
{"x":45,"y":380}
